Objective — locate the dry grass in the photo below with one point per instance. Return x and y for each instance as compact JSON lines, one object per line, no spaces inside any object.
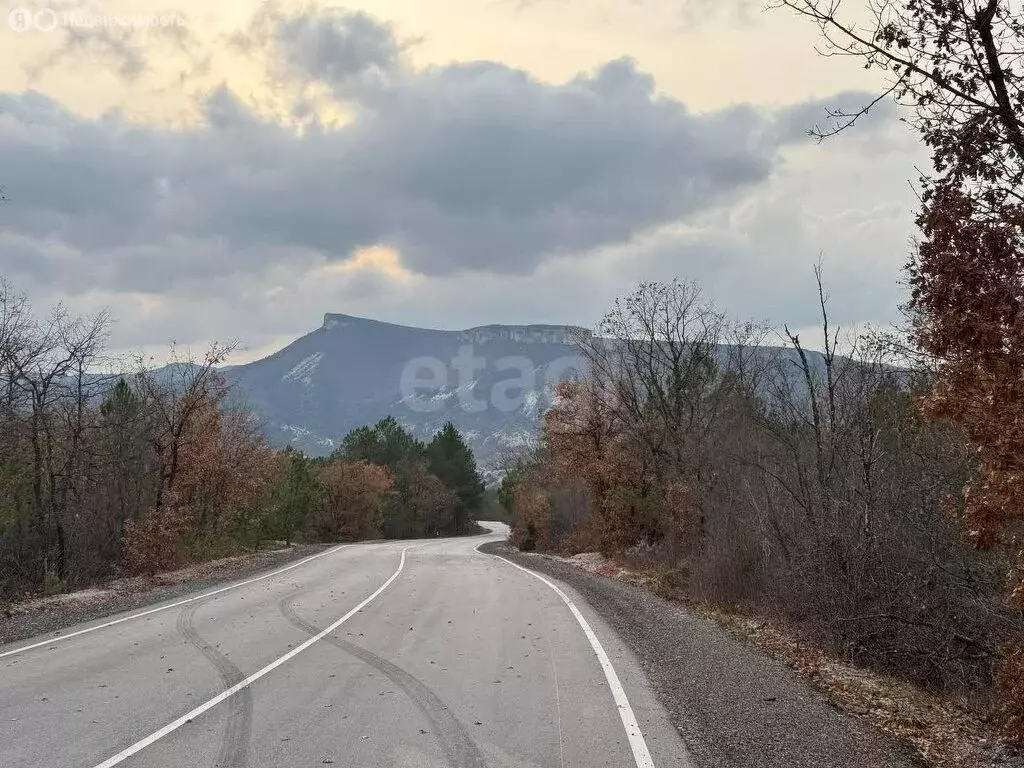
{"x":133,"y":585}
{"x":943,"y":734}
{"x":82,"y":597}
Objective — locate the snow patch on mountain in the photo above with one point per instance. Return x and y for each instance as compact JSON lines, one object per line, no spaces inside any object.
{"x":303,"y":372}
{"x":305,"y":436}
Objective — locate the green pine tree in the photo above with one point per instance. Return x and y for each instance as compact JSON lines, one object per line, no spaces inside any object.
{"x":386,"y":443}
{"x":451,"y":460}
{"x":294,"y":498}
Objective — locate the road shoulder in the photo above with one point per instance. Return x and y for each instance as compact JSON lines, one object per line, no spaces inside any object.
{"x":52,"y":616}
{"x":732,"y":705}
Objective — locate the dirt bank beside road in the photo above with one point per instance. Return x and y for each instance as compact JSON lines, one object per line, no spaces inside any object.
{"x":40,"y":616}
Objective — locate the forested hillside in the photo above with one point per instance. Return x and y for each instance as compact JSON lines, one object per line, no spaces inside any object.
{"x":141,"y":471}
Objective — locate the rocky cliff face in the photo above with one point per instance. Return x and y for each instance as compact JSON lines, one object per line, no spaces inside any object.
{"x":525,"y":334}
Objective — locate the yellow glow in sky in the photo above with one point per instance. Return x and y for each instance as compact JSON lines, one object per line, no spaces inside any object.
{"x":707,"y":54}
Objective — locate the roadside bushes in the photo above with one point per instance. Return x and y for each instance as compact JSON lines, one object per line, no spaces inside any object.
{"x":352,"y":502}
{"x":379,"y":483}
{"x":137,"y":471}
{"x":438,"y":489}
{"x":145,"y":470}
{"x":800,"y":485}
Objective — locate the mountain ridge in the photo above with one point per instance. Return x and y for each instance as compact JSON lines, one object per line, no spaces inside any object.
{"x":492,"y":381}
{"x":540,"y":332}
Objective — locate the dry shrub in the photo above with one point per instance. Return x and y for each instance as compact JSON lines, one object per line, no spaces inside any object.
{"x":954,"y":66}
{"x":808,"y":488}
{"x":151,"y":544}
{"x":730,"y":570}
{"x":669,"y":582}
{"x":355,"y":494}
{"x":582,"y":539}
{"x":533,"y":519}
{"x":1010,"y":713}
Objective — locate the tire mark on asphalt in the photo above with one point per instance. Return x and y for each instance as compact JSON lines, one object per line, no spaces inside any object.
{"x":456,"y":743}
{"x":238,"y":731}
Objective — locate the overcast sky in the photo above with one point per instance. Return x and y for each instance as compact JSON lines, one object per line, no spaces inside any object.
{"x":441,"y":163}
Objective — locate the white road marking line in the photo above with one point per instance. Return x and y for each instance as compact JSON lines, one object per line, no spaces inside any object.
{"x":227,"y":694}
{"x":558,"y":702}
{"x":641,"y":755}
{"x":69,"y":635}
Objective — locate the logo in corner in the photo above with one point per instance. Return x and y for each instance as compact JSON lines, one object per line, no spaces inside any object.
{"x":20,"y":20}
{"x":23,"y":19}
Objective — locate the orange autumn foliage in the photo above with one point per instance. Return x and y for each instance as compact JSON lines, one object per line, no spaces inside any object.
{"x":354,"y":497}
{"x":214,"y":464}
{"x":969,"y":289}
{"x":589,"y":447}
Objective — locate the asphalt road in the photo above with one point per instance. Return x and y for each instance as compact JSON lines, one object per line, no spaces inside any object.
{"x":406,"y":654}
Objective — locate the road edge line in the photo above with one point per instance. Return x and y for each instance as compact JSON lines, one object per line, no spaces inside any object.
{"x":179,"y":603}
{"x":641,"y":754}
{"x":188,"y":717}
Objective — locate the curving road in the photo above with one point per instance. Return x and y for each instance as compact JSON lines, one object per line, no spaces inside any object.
{"x":399,"y":654}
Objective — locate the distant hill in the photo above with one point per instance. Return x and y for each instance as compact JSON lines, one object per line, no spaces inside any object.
{"x":493,"y":382}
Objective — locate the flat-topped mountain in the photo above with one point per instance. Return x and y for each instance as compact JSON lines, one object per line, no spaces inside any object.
{"x":493,"y":381}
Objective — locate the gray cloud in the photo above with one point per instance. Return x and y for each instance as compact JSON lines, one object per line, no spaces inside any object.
{"x":470,"y":166}
{"x":338,"y":47}
{"x":351,"y":52}
{"x":469,"y":170}
{"x":690,"y":13}
{"x":112,"y":45}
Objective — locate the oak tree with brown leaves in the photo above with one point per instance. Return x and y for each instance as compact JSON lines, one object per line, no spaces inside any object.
{"x":354,"y":497}
{"x":957,"y":67}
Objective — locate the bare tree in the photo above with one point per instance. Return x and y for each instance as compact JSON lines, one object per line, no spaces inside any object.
{"x":668,"y":362}
{"x":825,"y":499}
{"x":48,"y":366}
{"x":178,"y":393}
{"x":956,"y":65}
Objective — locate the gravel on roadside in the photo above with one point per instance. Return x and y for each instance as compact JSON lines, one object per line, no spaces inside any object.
{"x":733,"y":706}
{"x":120,"y":595}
